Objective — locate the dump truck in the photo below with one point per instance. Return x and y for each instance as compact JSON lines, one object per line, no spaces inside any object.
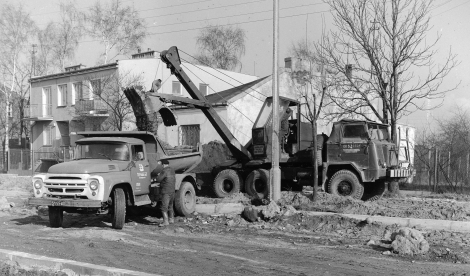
{"x":111,"y":171}
{"x":357,"y":159}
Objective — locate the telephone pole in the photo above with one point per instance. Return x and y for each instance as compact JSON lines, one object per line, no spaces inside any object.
{"x":275,"y":174}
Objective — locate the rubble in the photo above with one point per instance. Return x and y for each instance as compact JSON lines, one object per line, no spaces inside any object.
{"x":409,"y":241}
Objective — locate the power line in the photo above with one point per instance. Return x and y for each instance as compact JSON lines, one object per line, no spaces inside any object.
{"x":223,"y":17}
{"x":464,"y":3}
{"x":229,"y":24}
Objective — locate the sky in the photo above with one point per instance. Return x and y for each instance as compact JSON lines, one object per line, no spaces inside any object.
{"x":178,"y":22}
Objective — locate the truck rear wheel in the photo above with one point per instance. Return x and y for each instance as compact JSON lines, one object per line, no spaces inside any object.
{"x":185,"y":199}
{"x":227,"y":183}
{"x":119,"y":208}
{"x":257,"y":183}
{"x":56,"y":216}
{"x":345,"y":183}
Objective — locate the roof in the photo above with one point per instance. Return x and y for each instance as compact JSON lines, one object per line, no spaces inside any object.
{"x":361,"y":121}
{"x":229,"y":94}
{"x":111,"y":139}
{"x":74,"y":72}
{"x":145,"y":136}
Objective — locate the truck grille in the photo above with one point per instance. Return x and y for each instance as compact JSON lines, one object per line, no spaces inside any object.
{"x":66,"y":186}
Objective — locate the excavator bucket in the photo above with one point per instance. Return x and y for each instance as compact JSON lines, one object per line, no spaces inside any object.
{"x":145,"y":110}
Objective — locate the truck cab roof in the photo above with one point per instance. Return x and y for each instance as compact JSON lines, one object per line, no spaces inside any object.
{"x":142,"y":136}
{"x":111,"y":139}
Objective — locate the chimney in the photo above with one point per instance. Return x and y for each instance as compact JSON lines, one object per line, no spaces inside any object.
{"x":288,"y":62}
{"x":138,"y":50}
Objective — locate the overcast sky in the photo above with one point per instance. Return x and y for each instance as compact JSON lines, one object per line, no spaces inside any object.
{"x":177,"y":23}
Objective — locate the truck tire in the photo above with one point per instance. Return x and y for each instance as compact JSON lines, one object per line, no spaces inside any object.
{"x":257,"y":184}
{"x":227,"y":183}
{"x":119,"y":208}
{"x":345,"y":183}
{"x":56,"y":216}
{"x":185,"y":199}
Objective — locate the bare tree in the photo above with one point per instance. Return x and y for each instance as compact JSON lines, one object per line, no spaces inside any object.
{"x":311,"y":85}
{"x":68,"y":32}
{"x":109,"y":89}
{"x":119,"y":28}
{"x":451,"y":141}
{"x":221,"y":47}
{"x":383,"y":58}
{"x":16,"y":33}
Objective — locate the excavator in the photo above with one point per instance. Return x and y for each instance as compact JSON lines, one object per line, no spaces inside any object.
{"x":357,"y":159}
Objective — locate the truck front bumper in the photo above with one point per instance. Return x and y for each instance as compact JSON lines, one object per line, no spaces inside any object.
{"x":79,"y":203}
{"x":400,"y":173}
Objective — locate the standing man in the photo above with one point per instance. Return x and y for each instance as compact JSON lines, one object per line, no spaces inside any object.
{"x":167,"y":180}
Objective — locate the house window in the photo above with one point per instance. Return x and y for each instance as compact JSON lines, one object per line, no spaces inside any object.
{"x":77,"y":92}
{"x":47,"y":135}
{"x":190,"y":135}
{"x":96,"y":87}
{"x":62,"y":95}
{"x":204,"y":88}
{"x":176,"y":88}
{"x":46,"y":109}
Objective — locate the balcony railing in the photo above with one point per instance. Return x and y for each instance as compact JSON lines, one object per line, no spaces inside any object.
{"x":83,"y":107}
{"x":38,"y":111}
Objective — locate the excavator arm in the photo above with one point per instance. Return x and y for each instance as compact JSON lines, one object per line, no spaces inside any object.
{"x":173,"y":62}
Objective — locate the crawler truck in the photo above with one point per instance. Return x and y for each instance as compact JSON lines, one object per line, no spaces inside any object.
{"x":111,"y":171}
{"x":357,"y":159}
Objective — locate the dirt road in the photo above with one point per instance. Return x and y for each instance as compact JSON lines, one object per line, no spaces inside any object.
{"x":215,"y":246}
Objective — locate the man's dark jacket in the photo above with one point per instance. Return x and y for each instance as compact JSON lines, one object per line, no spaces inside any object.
{"x":167,"y":180}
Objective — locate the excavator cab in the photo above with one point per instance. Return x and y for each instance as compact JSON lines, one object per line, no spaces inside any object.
{"x":289,"y":131}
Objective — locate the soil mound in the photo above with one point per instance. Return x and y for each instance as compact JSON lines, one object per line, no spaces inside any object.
{"x":213,"y":153}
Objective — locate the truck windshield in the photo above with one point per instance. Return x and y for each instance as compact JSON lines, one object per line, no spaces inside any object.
{"x":109,"y":151}
{"x":377,"y":132}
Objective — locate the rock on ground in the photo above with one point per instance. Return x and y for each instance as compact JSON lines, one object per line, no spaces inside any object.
{"x":409,"y":241}
{"x":4,"y":205}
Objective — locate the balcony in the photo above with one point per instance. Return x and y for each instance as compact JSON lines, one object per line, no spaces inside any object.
{"x":91,"y":108}
{"x":38,"y":112}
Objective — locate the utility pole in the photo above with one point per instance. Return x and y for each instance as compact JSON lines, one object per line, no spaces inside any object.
{"x":275,"y":174}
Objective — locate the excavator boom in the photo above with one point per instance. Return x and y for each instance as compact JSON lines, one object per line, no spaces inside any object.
{"x":172,"y":59}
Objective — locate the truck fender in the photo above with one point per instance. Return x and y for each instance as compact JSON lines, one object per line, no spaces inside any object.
{"x":330,"y":169}
{"x":127,"y":190}
{"x":185,"y":177}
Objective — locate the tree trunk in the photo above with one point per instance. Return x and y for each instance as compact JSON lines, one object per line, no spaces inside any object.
{"x":394,"y":189}
{"x":315,"y":162}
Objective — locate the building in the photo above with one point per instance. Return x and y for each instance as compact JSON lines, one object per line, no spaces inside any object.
{"x":67,"y":102}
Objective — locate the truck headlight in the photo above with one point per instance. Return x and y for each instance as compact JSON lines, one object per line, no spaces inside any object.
{"x":38,"y":183}
{"x":94,"y":184}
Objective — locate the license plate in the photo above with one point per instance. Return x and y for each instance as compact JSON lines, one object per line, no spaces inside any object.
{"x":258,"y":149}
{"x":57,"y":203}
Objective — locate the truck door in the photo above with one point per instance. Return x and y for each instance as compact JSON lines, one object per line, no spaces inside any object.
{"x":140,"y":173}
{"x":355,"y":144}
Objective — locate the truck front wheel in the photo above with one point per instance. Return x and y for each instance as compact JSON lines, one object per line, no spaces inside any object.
{"x":119,"y":208}
{"x":56,"y":216}
{"x":257,"y":183}
{"x":185,"y":199}
{"x":227,"y":183}
{"x":345,"y":183}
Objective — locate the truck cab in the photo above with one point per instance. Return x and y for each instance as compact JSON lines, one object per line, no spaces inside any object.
{"x":109,"y":172}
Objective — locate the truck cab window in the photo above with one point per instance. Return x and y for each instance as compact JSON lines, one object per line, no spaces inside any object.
{"x":354,"y":131}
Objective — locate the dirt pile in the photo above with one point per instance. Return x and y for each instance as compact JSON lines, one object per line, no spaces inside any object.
{"x":213,"y":153}
{"x":422,"y":208}
{"x":409,"y":241}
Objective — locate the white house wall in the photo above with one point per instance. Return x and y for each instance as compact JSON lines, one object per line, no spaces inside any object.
{"x":153,"y":68}
{"x":192,"y":117}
